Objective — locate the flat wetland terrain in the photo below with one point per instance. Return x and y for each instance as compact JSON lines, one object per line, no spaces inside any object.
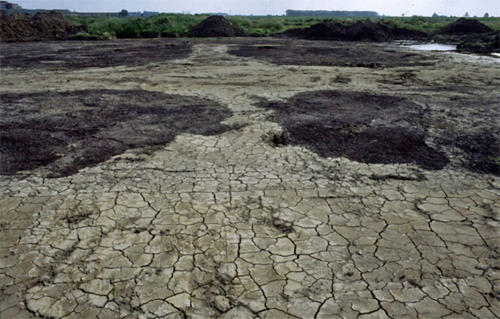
{"x":248,"y":178}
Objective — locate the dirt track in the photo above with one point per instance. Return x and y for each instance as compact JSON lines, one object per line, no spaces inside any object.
{"x":313,"y":187}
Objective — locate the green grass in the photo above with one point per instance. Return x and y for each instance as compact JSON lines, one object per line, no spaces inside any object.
{"x":495,"y":160}
{"x":180,"y":24}
{"x":163,"y":23}
{"x":259,"y":25}
{"x":429,"y":24}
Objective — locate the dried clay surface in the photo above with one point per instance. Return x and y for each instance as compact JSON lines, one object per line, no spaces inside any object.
{"x":251,"y":209}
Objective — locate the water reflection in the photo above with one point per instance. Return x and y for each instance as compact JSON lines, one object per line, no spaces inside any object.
{"x":433,"y":47}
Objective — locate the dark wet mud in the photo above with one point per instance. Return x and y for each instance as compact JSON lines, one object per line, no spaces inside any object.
{"x":480,"y":151}
{"x":84,"y":54}
{"x":332,"y":54}
{"x":378,"y":129}
{"x":70,"y":131}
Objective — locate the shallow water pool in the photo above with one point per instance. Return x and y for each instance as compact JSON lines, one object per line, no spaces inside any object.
{"x":433,"y":47}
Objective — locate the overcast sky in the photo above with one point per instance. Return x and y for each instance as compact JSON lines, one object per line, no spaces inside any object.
{"x":275,"y":7}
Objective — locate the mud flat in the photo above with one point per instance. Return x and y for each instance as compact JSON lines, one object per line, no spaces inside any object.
{"x":248,"y":178}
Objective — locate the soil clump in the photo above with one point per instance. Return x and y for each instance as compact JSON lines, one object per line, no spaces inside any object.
{"x":44,"y":25}
{"x":216,"y":26}
{"x":69,"y":131}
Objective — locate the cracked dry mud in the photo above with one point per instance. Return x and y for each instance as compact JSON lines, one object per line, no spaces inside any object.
{"x":249,"y":222}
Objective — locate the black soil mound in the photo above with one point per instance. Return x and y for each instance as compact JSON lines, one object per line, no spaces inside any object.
{"x":326,"y":30}
{"x":216,"y":26}
{"x":359,"y":31}
{"x":369,"y":31}
{"x":360,"y":126}
{"x":17,"y":27}
{"x":464,"y":26}
{"x":297,"y":33}
{"x":482,"y":43}
{"x":69,"y":131}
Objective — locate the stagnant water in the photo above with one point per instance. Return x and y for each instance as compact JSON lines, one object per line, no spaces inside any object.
{"x":433,"y":47}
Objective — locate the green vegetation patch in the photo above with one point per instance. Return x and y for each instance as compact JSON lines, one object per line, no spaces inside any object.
{"x":179,"y":24}
{"x":162,"y":24}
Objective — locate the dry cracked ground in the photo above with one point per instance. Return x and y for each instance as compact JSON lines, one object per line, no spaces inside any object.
{"x":194,"y":180}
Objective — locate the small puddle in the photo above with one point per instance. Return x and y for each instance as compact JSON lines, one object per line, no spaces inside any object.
{"x":432,"y":47}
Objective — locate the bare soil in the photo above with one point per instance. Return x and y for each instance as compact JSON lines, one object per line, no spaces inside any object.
{"x":364,"y":127}
{"x":236,"y":225}
{"x":424,"y":119}
{"x":332,"y":54}
{"x":85,"y":54}
{"x":69,"y":131}
{"x":379,"y":129}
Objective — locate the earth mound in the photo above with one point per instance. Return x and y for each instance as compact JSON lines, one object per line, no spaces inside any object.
{"x":464,"y":26}
{"x":360,"y":31}
{"x":216,"y":26}
{"x":3,"y":15}
{"x":17,"y":27}
{"x":482,"y":43}
{"x":291,"y":33}
{"x":65,"y":132}
{"x":369,"y":31}
{"x":326,"y":30}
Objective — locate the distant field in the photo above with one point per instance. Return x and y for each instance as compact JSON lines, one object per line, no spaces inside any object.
{"x":180,"y":24}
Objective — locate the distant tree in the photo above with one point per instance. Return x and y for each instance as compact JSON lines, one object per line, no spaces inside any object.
{"x":323,"y":13}
{"x":123,"y":13}
{"x":435,"y":15}
{"x":486,"y":15}
{"x":466,"y":14}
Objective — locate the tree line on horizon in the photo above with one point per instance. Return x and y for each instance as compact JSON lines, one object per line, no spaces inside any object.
{"x":325,"y":13}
